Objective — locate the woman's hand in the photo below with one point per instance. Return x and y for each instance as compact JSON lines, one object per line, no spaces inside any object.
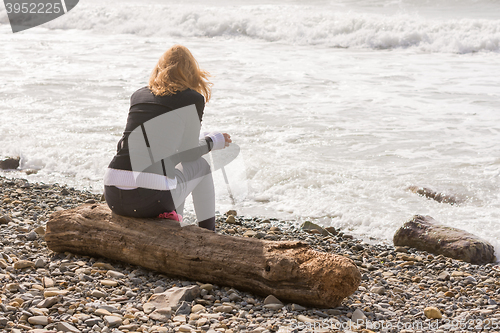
{"x":227,"y":137}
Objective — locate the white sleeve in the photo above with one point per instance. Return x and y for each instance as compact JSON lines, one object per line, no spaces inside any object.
{"x":217,"y":138}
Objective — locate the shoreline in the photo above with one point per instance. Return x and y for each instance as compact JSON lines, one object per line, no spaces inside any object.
{"x":397,"y":283}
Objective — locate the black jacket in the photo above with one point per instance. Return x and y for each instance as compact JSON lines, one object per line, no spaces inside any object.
{"x":144,"y":108}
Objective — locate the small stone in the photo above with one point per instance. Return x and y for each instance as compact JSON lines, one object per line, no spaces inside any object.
{"x":48,"y":282}
{"x":148,"y":308}
{"x":130,"y":294}
{"x":197,"y":308}
{"x":234,"y":297}
{"x":5,"y":219}
{"x":40,"y":231}
{"x":432,"y":312}
{"x":207,"y":286}
{"x":358,"y":316}
{"x":12,"y":287}
{"x":115,"y":274}
{"x":102,"y":312}
{"x":179,"y":319}
{"x":185,"y":328}
{"x":39,"y":320}
{"x":449,"y":294}
{"x":271,"y":299}
{"x":378,"y":290}
{"x":332,"y":230}
{"x":162,"y":315}
{"x":113,"y":321}
{"x":158,"y":290}
{"x":93,"y":321}
{"x":66,"y":327}
{"x":250,"y":233}
{"x":223,"y":308}
{"x":401,"y":249}
{"x":183,"y":309}
{"x":31,"y":236}
{"x":48,"y":302}
{"x":231,"y":219}
{"x":50,"y":293}
{"x":39,"y":263}
{"x":109,"y":283}
{"x":231,"y":212}
{"x":193,"y":317}
{"x":202,"y":321}
{"x":103,"y":265}
{"x":260,"y":235}
{"x":470,"y":280}
{"x":313,"y":228}
{"x":296,"y":307}
{"x":304,"y":319}
{"x":23,"y":264}
{"x":98,"y":294}
{"x":274,"y":307}
{"x":444,"y":276}
{"x":109,"y":308}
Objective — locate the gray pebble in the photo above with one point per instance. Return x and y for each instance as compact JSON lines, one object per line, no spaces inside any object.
{"x":39,"y":263}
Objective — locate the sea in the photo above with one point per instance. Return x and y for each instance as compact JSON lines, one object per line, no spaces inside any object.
{"x":338,"y":107}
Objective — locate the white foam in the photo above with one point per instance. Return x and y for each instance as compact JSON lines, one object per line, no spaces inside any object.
{"x":296,"y":24}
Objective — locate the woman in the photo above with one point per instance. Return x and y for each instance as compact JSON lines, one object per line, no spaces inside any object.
{"x":159,"y":157}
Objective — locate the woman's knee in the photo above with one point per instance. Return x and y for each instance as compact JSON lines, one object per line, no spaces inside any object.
{"x":205,"y":166}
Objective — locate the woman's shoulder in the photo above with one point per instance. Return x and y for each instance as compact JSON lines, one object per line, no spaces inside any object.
{"x":142,"y":93}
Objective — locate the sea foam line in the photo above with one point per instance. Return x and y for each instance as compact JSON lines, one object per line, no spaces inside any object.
{"x":302,"y":25}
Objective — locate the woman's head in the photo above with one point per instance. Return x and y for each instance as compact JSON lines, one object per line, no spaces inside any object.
{"x":178,"y":70}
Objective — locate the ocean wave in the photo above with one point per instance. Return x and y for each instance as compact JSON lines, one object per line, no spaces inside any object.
{"x":302,"y":25}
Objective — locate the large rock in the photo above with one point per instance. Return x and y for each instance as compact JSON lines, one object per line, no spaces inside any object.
{"x":292,"y":271}
{"x":10,"y":163}
{"x":425,"y":234}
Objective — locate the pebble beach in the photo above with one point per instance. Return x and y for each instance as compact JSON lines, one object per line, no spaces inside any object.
{"x":402,"y":289}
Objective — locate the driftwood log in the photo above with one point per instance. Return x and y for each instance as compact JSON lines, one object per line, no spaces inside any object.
{"x":289,"y":270}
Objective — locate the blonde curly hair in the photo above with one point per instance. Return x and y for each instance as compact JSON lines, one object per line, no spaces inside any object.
{"x":178,"y":70}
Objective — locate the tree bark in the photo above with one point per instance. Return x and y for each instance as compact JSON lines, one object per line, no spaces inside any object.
{"x":289,"y":270}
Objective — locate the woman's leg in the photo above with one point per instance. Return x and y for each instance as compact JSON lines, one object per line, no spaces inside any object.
{"x":196,"y":178}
